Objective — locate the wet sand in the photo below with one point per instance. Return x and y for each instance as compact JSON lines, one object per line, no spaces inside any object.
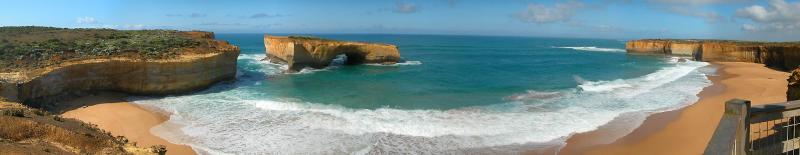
{"x":687,"y":130}
{"x":110,"y":112}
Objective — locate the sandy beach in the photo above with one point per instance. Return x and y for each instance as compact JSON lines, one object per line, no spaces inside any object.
{"x":688,"y":130}
{"x":110,"y":112}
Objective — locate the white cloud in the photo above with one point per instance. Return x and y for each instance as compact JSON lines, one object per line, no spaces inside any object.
{"x":542,"y":14}
{"x":403,"y":7}
{"x":696,"y":2}
{"x":692,"y":8}
{"x":748,"y":27}
{"x":221,"y":24}
{"x":778,"y":16}
{"x":709,"y":16}
{"x":264,"y":15}
{"x":86,"y":20}
{"x":197,"y":15}
{"x":191,"y":15}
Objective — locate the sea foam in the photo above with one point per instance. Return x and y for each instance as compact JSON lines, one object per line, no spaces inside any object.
{"x":244,"y":121}
{"x":402,"y":63}
{"x":595,"y":49}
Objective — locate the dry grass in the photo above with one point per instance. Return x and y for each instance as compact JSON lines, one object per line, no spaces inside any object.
{"x":36,"y":130}
{"x":31,"y":47}
{"x":739,"y":42}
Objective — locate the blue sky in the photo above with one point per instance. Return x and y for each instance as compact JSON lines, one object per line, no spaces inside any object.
{"x":775,"y":20}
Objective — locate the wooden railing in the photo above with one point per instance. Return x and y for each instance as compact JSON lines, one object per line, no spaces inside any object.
{"x":762,"y":129}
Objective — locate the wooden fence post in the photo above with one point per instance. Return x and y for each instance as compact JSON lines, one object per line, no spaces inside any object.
{"x":732,"y":133}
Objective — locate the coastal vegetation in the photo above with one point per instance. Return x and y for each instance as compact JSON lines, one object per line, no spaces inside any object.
{"x":33,"y":131}
{"x":89,"y":60}
{"x":307,"y":38}
{"x":27,"y":47}
{"x":739,"y":42}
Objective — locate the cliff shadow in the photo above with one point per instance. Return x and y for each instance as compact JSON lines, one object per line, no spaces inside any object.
{"x":81,"y":100}
{"x":352,"y":55}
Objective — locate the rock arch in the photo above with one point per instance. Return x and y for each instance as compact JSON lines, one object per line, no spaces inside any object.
{"x":301,"y":52}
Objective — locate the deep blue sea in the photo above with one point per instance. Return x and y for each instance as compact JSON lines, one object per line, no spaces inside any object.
{"x":451,"y":94}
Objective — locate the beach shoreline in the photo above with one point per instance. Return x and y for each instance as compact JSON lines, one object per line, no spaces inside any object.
{"x":112,"y":113}
{"x":686,"y":130}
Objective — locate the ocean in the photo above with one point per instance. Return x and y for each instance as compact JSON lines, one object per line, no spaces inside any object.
{"x":449,"y":95}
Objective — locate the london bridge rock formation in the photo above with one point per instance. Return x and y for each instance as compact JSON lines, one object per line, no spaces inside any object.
{"x":301,"y":52}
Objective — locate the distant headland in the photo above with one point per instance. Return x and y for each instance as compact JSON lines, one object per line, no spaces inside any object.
{"x":779,"y":55}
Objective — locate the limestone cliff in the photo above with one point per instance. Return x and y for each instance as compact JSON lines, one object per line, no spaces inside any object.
{"x":782,"y":56}
{"x":191,"y":69}
{"x":793,"y":93}
{"x":301,"y":52}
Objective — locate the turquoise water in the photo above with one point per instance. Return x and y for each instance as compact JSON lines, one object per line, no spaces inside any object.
{"x":451,"y":94}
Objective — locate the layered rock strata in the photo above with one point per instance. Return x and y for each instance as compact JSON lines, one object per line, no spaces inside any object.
{"x":194,"y":69}
{"x":301,"y":52}
{"x":793,"y":93}
{"x":782,"y":56}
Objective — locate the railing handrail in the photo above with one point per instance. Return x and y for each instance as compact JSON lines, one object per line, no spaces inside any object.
{"x":774,"y":107}
{"x":731,"y":135}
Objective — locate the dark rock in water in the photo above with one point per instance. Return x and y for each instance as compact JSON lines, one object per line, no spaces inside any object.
{"x":793,"y":93}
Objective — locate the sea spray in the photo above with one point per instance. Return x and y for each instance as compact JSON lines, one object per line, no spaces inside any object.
{"x":595,"y":49}
{"x":498,"y":97}
{"x":270,"y":125}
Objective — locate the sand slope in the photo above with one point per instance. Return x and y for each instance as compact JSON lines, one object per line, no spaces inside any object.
{"x":687,"y":131}
{"x":112,"y":113}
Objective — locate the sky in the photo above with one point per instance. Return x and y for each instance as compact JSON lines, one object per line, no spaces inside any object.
{"x":771,"y":20}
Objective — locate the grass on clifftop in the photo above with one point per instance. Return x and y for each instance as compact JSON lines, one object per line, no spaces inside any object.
{"x":28,"y":47}
{"x":31,"y":131}
{"x":741,"y":42}
{"x":309,"y":38}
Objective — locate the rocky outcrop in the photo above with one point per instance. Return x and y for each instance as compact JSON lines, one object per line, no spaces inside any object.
{"x":649,"y":46}
{"x":782,"y":56}
{"x":301,"y":52}
{"x":793,"y":93}
{"x":192,"y":69}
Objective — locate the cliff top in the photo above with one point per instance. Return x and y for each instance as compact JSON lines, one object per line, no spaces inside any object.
{"x":795,"y":43}
{"x":320,"y":40}
{"x":31,"y":47}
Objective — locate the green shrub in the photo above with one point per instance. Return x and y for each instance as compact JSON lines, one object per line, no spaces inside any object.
{"x":58,"y":118}
{"x":14,"y":112}
{"x":31,"y":46}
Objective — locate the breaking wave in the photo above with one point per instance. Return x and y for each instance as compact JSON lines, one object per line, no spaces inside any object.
{"x":595,"y":49}
{"x":402,"y":63}
{"x":245,"y":121}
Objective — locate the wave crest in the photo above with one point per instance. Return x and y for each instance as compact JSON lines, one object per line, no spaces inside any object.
{"x":242,"y":121}
{"x":595,"y":49}
{"x":403,"y":63}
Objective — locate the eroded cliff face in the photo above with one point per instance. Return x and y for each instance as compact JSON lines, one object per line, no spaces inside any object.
{"x":783,"y":56}
{"x":303,"y":52}
{"x":793,"y":93}
{"x":194,"y":69}
{"x":652,"y":46}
